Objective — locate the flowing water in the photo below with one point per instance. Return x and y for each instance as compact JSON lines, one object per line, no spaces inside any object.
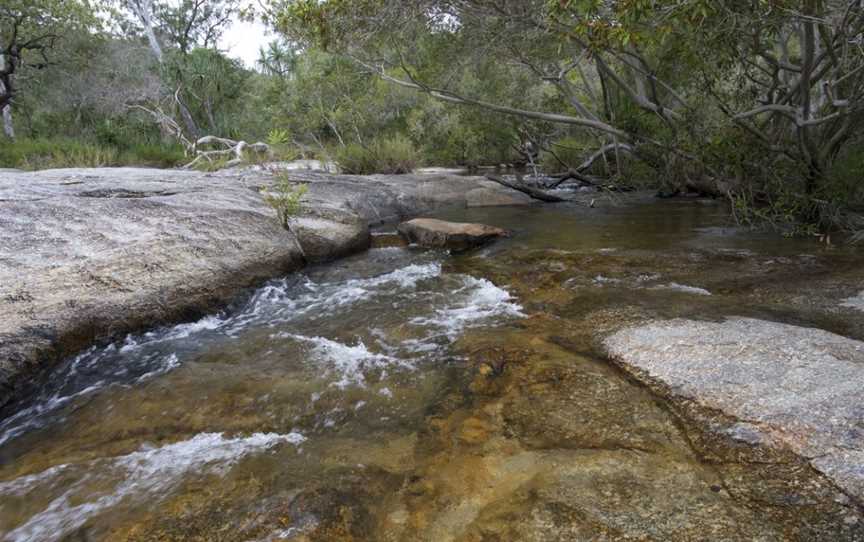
{"x":404,"y":394}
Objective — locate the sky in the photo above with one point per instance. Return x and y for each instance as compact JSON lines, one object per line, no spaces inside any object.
{"x":243,"y":39}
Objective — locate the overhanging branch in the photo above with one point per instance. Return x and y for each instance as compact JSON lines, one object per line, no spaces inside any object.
{"x":451,"y":97}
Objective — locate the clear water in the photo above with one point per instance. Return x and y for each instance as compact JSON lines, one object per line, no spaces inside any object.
{"x":314,"y":408}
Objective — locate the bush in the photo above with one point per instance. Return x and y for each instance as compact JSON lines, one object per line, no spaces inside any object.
{"x":285,"y":198}
{"x":354,"y":159}
{"x":395,"y":155}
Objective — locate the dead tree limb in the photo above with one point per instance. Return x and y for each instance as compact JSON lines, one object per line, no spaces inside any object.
{"x":229,"y":148}
{"x":531,"y":192}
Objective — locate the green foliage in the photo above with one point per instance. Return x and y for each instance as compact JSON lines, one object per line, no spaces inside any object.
{"x":280,"y":145}
{"x":278,"y":137}
{"x":212,"y":86}
{"x":285,"y":197}
{"x":394,"y":155}
{"x":160,"y":155}
{"x":785,"y":210}
{"x":844,"y":182}
{"x":33,"y":154}
{"x":355,"y":159}
{"x":459,"y":137}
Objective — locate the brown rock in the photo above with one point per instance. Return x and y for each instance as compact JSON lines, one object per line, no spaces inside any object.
{"x":456,"y":236}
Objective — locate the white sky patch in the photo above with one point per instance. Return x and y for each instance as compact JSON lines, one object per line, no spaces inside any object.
{"x":243,"y":40}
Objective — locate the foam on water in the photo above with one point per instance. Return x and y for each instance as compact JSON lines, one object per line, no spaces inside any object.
{"x":477,"y":302}
{"x":683,"y":288}
{"x":139,"y":358}
{"x":350,"y":363}
{"x":144,"y":475}
{"x":641,"y":282}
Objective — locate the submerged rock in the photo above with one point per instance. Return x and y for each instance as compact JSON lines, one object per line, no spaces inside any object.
{"x":457,"y":236}
{"x":793,"y":389}
{"x":88,"y":255}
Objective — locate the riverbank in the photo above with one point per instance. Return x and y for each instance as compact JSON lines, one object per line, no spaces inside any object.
{"x":90,"y":255}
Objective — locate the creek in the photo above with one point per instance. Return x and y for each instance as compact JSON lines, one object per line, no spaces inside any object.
{"x":403,"y":394}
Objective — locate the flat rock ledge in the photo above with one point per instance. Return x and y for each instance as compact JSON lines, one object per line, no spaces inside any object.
{"x":456,"y":236}
{"x":89,"y":255}
{"x":781,"y":387}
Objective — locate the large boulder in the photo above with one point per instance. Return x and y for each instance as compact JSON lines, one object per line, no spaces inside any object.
{"x":324,"y":240}
{"x":775,"y":386}
{"x":456,"y":236}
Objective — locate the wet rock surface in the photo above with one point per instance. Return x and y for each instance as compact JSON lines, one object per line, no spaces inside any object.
{"x":88,"y":255}
{"x":790,"y":387}
{"x":456,"y":236}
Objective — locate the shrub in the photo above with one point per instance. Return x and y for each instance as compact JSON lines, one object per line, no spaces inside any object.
{"x":285,"y":197}
{"x":395,"y":155}
{"x":354,"y":159}
{"x":278,"y":137}
{"x":281,"y":147}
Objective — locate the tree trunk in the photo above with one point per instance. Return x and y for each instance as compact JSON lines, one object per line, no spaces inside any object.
{"x":144,"y":10}
{"x":8,"y":127}
{"x":5,"y":84}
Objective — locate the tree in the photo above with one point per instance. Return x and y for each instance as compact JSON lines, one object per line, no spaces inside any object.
{"x":278,"y":59}
{"x":735,"y":98}
{"x":29,"y":32}
{"x":183,"y":27}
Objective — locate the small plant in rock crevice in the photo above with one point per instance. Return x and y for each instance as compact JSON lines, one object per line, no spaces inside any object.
{"x":285,"y":197}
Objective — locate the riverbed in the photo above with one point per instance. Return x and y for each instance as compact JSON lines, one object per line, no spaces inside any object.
{"x":404,"y":394}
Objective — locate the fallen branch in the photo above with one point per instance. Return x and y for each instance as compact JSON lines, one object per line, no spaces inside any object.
{"x":230,"y":147}
{"x":531,"y":192}
{"x":168,"y":126}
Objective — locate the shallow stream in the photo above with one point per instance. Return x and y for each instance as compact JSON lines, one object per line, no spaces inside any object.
{"x":404,"y":394}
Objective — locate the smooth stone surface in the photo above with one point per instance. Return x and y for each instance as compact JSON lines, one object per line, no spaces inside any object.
{"x":792,"y":388}
{"x":324,"y":240}
{"x":89,"y":255}
{"x":456,"y":236}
